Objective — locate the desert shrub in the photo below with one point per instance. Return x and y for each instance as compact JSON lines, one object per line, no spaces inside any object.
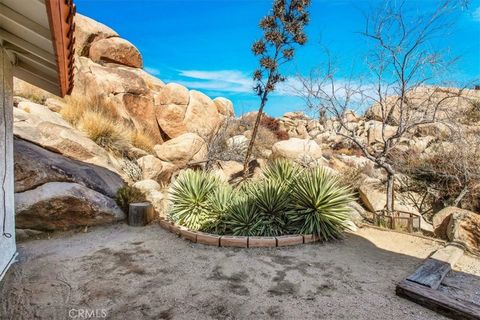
{"x":288,"y":199}
{"x":319,"y":204}
{"x":352,"y":177}
{"x":104,"y":131}
{"x":450,"y":175}
{"x":128,"y":194}
{"x":472,"y":115}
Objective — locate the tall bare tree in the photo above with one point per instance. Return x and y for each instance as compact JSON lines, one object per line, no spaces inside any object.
{"x":401,"y":61}
{"x":283,"y":29}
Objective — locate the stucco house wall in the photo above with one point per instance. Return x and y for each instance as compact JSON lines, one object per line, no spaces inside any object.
{"x":7,"y":206}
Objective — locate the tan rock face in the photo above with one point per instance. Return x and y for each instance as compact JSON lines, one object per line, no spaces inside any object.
{"x":297,"y":150}
{"x":201,"y":116}
{"x":464,"y":228}
{"x":116,"y":50}
{"x":64,"y":205}
{"x":88,"y":31}
{"x":182,"y":149}
{"x":61,"y":139}
{"x":441,"y":220}
{"x":155,"y":169}
{"x":224,"y":106}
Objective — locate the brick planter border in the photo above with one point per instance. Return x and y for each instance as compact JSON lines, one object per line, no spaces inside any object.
{"x":235,"y":241}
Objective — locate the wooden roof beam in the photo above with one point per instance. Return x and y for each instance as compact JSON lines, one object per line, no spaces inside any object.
{"x":13,"y":39}
{"x":23,"y":22}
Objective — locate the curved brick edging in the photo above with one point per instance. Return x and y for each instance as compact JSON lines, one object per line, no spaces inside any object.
{"x":236,"y":241}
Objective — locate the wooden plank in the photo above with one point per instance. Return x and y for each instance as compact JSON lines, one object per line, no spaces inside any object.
{"x":13,"y":39}
{"x":438,"y":301}
{"x":431,"y":273}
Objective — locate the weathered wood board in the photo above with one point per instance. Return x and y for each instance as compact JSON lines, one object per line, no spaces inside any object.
{"x":431,"y":273}
{"x":438,"y":301}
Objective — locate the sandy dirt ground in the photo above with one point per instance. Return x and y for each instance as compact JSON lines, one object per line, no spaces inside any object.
{"x":123,"y":272}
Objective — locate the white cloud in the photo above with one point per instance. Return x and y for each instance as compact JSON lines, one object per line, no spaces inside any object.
{"x":476,"y":14}
{"x":152,"y":71}
{"x":220,"y":80}
{"x":233,"y":81}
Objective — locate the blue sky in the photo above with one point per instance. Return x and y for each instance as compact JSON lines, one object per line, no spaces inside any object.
{"x":205,"y":44}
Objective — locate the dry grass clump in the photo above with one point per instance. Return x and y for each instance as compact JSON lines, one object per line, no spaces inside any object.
{"x":101,"y":122}
{"x":28,"y":91}
{"x":103,"y":131}
{"x":76,"y":106}
{"x":142,"y":140}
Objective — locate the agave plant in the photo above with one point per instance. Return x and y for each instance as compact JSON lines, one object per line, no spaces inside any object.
{"x":190,"y":198}
{"x":219,"y":203}
{"x":271,"y":197}
{"x":319,"y":204}
{"x":243,"y":218}
{"x":281,"y":170}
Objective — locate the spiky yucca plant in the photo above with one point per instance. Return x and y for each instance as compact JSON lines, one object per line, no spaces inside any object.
{"x":243,"y":218}
{"x":189,"y":195}
{"x":282,"y":170}
{"x":319,"y":204}
{"x":271,"y":197}
{"x":219,"y":203}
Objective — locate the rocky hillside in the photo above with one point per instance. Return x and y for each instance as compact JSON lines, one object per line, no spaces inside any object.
{"x":122,"y":126}
{"x":119,"y":126}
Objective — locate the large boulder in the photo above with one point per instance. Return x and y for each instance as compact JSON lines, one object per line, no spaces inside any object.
{"x":35,"y":166}
{"x":87,"y":31}
{"x":61,"y":139}
{"x":156,"y":169}
{"x":224,"y":106}
{"x":172,"y":103}
{"x":441,"y":220}
{"x":201,"y":116}
{"x":299,"y":150}
{"x":376,"y":132}
{"x":64,"y":205}
{"x":182,"y":149}
{"x":464,"y":228}
{"x":125,"y":88}
{"x":116,"y":50}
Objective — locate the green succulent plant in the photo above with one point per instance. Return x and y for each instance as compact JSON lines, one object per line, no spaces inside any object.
{"x":271,"y":197}
{"x":319,"y":204}
{"x":282,"y":170}
{"x":243,"y":218}
{"x":190,"y":198}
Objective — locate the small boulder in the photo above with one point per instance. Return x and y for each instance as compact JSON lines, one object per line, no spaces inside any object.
{"x":464,"y":228}
{"x":441,"y":220}
{"x":182,"y":149}
{"x":295,"y":149}
{"x":156,"y":169}
{"x":116,"y":50}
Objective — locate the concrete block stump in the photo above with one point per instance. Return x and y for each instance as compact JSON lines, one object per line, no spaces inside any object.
{"x":140,"y":213}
